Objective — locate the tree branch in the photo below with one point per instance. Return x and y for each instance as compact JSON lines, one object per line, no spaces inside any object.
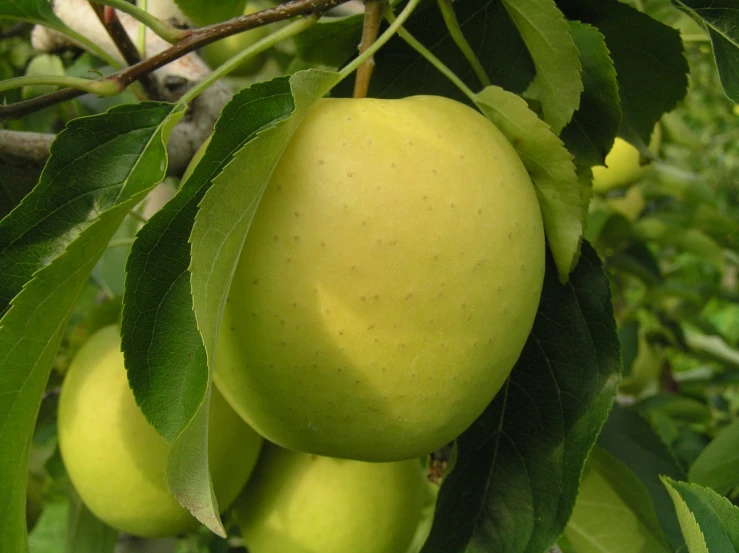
{"x":374,"y":10}
{"x":197,"y":39}
{"x":125,"y":46}
{"x":28,"y":148}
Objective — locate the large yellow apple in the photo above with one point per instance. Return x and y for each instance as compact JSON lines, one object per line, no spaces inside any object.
{"x":388,"y":282}
{"x":117,"y":461}
{"x":301,"y":503}
{"x":623,"y":165}
{"x":218,"y":53}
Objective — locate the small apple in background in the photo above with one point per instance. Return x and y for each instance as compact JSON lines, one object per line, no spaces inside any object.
{"x":217,"y":53}
{"x":116,"y":460}
{"x":388,"y":283}
{"x":300,"y":503}
{"x":622,"y":164}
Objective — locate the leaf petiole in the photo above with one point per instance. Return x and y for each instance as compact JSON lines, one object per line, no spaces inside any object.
{"x":98,"y":87}
{"x":452,"y":25}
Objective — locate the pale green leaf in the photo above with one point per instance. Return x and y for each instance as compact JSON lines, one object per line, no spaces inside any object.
{"x":717,"y":466}
{"x":551,"y":169}
{"x":558,"y":70}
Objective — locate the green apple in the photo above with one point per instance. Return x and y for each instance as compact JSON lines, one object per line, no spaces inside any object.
{"x":117,"y":461}
{"x":388,"y":282}
{"x":218,"y":53}
{"x":301,"y":503}
{"x":623,"y":165}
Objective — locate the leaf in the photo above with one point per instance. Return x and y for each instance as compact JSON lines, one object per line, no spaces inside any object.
{"x":590,"y":134}
{"x":50,"y":529}
{"x":709,"y":521}
{"x":518,"y":466}
{"x":721,"y":18}
{"x":330,"y":42}
{"x":717,"y":466}
{"x":400,"y":71}
{"x":630,"y":439}
{"x":165,"y":353}
{"x":100,"y":168}
{"x":613,"y":512}
{"x":551,"y":169}
{"x":85,"y":532}
{"x":558,"y":70}
{"x":648,"y":55}
{"x":32,"y":11}
{"x":207,"y":13}
{"x":654,"y":229}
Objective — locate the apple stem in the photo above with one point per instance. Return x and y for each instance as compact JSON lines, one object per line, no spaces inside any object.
{"x":430,"y":57}
{"x":372,"y":20}
{"x":452,"y":25}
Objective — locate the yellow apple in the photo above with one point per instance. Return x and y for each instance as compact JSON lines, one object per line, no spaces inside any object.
{"x":388,"y":282}
{"x":218,"y":53}
{"x":117,"y":461}
{"x":301,"y":503}
{"x":623,"y":165}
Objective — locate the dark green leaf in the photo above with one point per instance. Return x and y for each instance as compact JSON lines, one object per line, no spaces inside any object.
{"x":721,"y":18}
{"x":206,"y":13}
{"x":518,"y":466}
{"x":330,"y":42}
{"x":401,"y":71}
{"x":648,"y":56}
{"x":590,"y":134}
{"x":631,"y":440}
{"x":100,"y":168}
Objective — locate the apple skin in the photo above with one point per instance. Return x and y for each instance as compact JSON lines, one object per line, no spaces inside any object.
{"x":622,"y":164}
{"x":301,"y":503}
{"x":218,"y":53}
{"x":388,"y":283}
{"x":117,"y":461}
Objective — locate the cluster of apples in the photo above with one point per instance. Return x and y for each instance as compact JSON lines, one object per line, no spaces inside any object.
{"x":388,"y":282}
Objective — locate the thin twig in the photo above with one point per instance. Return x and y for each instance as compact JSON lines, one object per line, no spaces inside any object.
{"x":125,"y":46}
{"x":197,"y":39}
{"x":373,"y":10}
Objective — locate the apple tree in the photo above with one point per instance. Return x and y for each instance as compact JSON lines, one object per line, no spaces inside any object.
{"x":469,"y":268}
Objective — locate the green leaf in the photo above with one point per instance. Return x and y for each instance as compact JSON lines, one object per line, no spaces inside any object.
{"x":85,"y":532}
{"x":50,"y":530}
{"x":721,"y":18}
{"x":551,"y":169}
{"x":32,"y":11}
{"x":400,"y":71}
{"x":330,"y":42}
{"x":613,"y":512}
{"x":100,"y":168}
{"x":207,"y":13}
{"x":717,"y":466}
{"x":558,"y":69}
{"x":518,"y":466}
{"x":590,"y":134}
{"x":165,"y":353}
{"x":709,"y":521}
{"x":630,"y":439}
{"x":654,"y":229}
{"x":648,"y":55}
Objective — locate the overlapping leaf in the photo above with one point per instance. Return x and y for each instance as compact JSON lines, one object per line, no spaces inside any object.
{"x":717,"y":466}
{"x":558,"y":69}
{"x":165,"y":353}
{"x":100,"y":168}
{"x":518,"y":466}
{"x":551,"y":169}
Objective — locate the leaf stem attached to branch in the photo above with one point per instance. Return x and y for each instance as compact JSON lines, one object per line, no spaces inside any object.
{"x":373,"y":10}
{"x":167,"y":32}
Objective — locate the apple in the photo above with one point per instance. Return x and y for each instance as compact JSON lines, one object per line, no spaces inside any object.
{"x":218,"y":53}
{"x":387,"y":284}
{"x":117,"y":461}
{"x":623,"y":165}
{"x":301,"y":503}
